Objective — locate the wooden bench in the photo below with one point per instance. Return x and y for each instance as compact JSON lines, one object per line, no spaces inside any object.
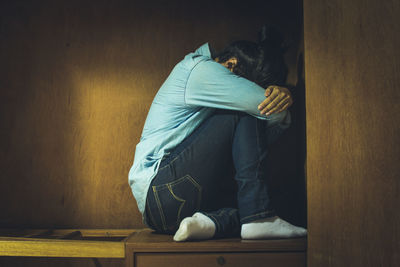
{"x":142,"y":248}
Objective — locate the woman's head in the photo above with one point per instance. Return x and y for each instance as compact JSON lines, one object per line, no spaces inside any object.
{"x":241,"y":57}
{"x":262,"y":62}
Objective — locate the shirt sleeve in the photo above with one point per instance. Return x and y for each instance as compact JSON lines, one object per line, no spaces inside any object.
{"x":212,"y":85}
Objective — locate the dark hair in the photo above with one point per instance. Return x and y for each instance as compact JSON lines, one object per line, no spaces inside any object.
{"x":248,"y":56}
{"x":262,"y":62}
{"x":272,"y":69}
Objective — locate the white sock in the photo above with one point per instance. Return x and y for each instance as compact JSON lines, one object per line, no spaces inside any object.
{"x":270,"y":228}
{"x":199,"y":226}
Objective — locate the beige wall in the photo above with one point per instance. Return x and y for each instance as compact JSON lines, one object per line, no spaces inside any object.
{"x":353,"y":129}
{"x":77,"y":79}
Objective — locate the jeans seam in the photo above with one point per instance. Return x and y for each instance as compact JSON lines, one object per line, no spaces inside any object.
{"x":257,"y":214}
{"x":218,"y":226}
{"x":152,"y":219}
{"x":164,"y":226}
{"x":170,"y":186}
{"x":178,"y":199}
{"x":199,"y":189}
{"x":169,"y":163}
{"x":178,"y":181}
{"x":221,"y":212}
{"x":232,"y":212}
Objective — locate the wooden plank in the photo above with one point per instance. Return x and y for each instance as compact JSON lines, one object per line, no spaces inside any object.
{"x":97,"y":232}
{"x":219,"y":259}
{"x":14,"y":246}
{"x":107,"y":232}
{"x":61,"y":232}
{"x":145,"y":240}
{"x":352,"y":68}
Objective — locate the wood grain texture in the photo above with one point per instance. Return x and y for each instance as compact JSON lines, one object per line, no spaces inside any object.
{"x":73,"y":243}
{"x":353,"y":126}
{"x":60,"y":262}
{"x":77,"y":79}
{"x":220,"y":259}
{"x":146,"y":241}
{"x":86,"y":233}
{"x":144,"y":248}
{"x":60,"y":248}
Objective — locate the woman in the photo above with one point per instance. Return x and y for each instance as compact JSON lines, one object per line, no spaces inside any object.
{"x":211,"y":118}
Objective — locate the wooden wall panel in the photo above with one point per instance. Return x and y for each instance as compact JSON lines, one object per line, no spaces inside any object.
{"x":77,"y":79}
{"x":353,"y":127}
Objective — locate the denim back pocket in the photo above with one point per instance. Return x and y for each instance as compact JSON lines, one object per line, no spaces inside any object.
{"x":177,"y":200}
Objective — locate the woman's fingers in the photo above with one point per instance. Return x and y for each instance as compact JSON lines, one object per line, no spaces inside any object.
{"x":268,"y":91}
{"x":277,"y":100}
{"x":284,"y":107}
{"x":274,"y":103}
{"x":279,"y":107}
{"x":274,"y":92}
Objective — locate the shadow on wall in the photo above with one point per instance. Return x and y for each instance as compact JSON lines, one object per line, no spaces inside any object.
{"x":287,"y":160}
{"x":76,"y":82}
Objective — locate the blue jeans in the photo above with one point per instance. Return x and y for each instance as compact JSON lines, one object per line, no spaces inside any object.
{"x":220,"y":171}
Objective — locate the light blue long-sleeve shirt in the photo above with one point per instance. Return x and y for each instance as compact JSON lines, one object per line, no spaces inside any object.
{"x":195,"y":88}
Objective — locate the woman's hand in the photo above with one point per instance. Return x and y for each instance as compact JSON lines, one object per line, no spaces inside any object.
{"x":278,"y":99}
